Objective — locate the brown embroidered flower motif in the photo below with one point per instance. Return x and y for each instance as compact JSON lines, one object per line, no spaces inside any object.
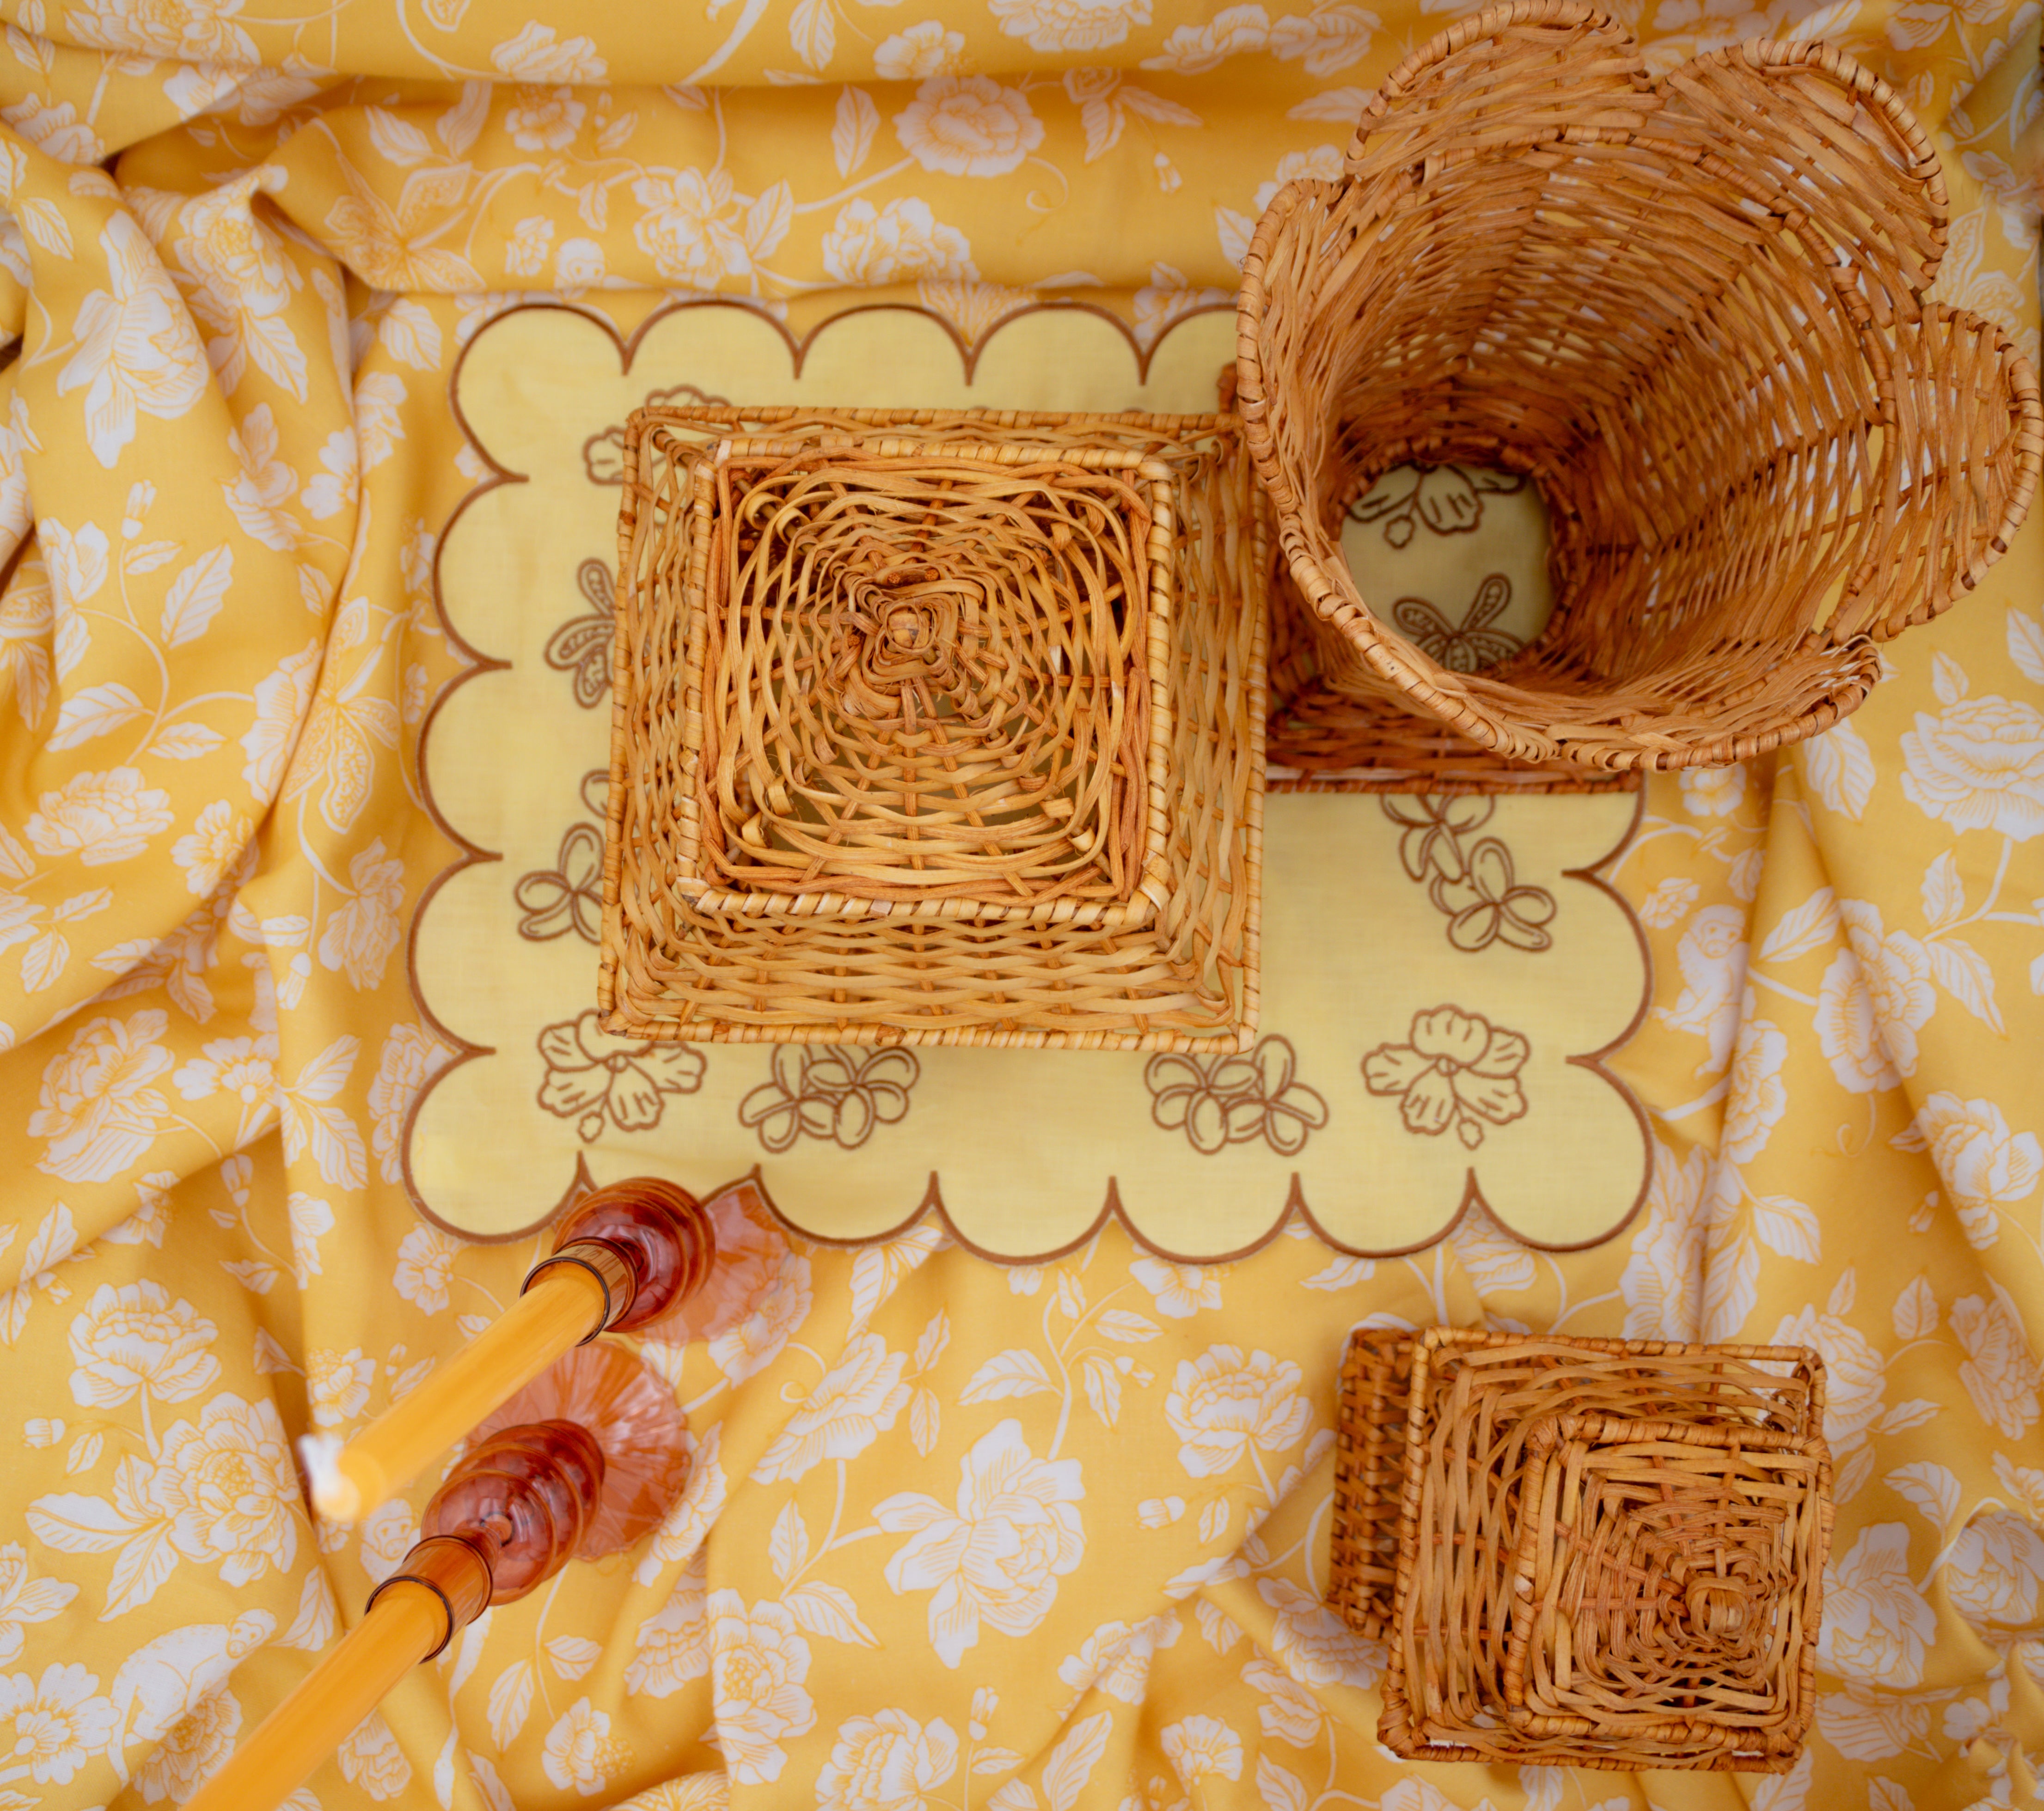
{"x":580,"y":646}
{"x":568,"y":896}
{"x":841,"y":1095}
{"x":594,"y":1076}
{"x":1449,"y":499}
{"x":1223,"y":1100}
{"x":1470,"y":645}
{"x":1487,"y":905}
{"x":1435,"y":824}
{"x":603,"y":454}
{"x":1472,"y":885}
{"x":1459,"y":1070}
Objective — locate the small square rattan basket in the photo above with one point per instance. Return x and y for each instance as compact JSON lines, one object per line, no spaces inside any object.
{"x":936,"y":728}
{"x":1584,"y":1552}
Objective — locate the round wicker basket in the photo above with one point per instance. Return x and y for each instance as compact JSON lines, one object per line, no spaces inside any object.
{"x":1694,"y":310}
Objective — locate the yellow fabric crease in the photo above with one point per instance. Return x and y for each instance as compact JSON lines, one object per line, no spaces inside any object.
{"x":957,"y":1535}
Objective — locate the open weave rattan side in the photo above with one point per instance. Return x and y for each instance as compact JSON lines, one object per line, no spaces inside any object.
{"x":1322,"y":739}
{"x":1695,"y":312}
{"x":1172,"y":965}
{"x":1370,"y":1474}
{"x":1603,"y":1553}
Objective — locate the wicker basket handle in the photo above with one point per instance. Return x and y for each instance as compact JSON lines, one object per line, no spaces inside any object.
{"x":1524,"y":59}
{"x":1855,"y":168}
{"x":1962,"y":516}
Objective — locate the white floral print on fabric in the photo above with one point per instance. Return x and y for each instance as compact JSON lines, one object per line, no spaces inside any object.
{"x":888,"y":1762}
{"x":134,"y":1340}
{"x":2000,"y":1371}
{"x":1180,"y":1291}
{"x":1874,"y":998}
{"x":1223,"y":1406}
{"x":758,"y":1661}
{"x":1979,"y":763}
{"x":1878,"y":1626}
{"x":50,"y":1725}
{"x":671,"y":1646}
{"x":968,"y":125}
{"x":922,"y":50}
{"x":1115,"y":1658}
{"x":24,"y":1599}
{"x":1995,"y":1573}
{"x":1712,"y":956}
{"x":900,"y":243}
{"x":996,"y":1558}
{"x":100,"y":818}
{"x":1985,"y":1166}
{"x":1069,"y":24}
{"x":853,"y":1404}
{"x":138,"y":352}
{"x":581,"y":1752}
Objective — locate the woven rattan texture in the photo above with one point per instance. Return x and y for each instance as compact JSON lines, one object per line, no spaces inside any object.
{"x":1323,"y":740}
{"x":927,"y":681}
{"x":1181,"y":975}
{"x":1581,"y":1552}
{"x":1693,"y":311}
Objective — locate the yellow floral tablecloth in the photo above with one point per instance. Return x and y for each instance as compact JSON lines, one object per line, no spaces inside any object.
{"x":957,"y":1536}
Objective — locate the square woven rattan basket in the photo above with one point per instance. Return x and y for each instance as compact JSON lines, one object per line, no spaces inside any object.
{"x":927,"y":680}
{"x":1696,"y":311}
{"x":936,"y":727}
{"x":1584,"y":1552}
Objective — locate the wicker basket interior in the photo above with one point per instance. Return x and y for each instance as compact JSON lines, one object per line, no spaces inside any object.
{"x":1691,"y":310}
{"x":1055,"y":835}
{"x":925,"y":682}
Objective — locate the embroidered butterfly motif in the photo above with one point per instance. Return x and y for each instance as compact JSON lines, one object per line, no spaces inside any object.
{"x":581,"y":645}
{"x":1470,"y":645}
{"x":568,"y":896}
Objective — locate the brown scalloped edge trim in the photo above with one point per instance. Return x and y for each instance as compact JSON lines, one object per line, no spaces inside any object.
{"x":932,"y":1205}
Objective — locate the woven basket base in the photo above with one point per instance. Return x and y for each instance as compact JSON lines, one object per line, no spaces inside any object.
{"x":1184,"y":979}
{"x":1474,"y":573}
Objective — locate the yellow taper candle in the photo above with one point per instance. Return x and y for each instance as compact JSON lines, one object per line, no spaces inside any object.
{"x":407,"y":1621}
{"x":563,"y":1305}
{"x":523,"y":1501}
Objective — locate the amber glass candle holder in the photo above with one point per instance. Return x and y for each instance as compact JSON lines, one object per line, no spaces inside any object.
{"x":623,"y":1256}
{"x":520,"y":1504}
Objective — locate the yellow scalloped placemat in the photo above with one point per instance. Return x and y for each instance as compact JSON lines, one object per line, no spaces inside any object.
{"x":1441,"y":976}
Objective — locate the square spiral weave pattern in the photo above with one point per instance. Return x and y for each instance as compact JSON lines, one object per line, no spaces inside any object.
{"x":1582,"y":1552}
{"x":936,"y":727}
{"x":933,"y":681}
{"x":1696,"y":311}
